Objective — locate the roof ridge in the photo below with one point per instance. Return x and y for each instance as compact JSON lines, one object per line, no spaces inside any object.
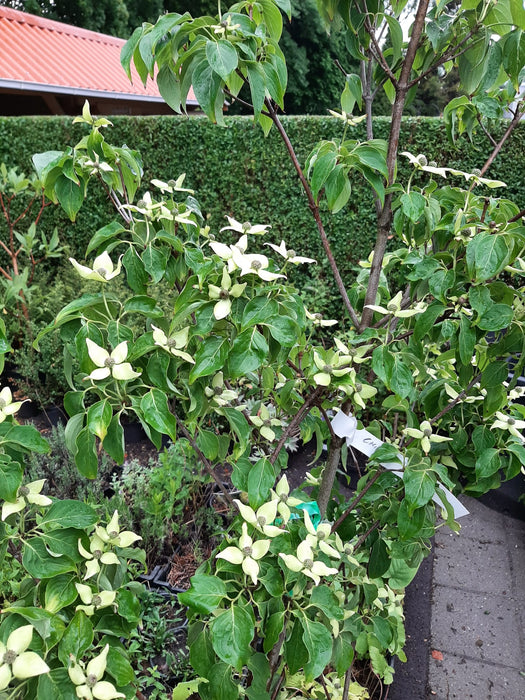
{"x":9,"y":13}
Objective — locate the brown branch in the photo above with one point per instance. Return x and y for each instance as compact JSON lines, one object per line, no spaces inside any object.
{"x":315,"y":212}
{"x":207,"y":465}
{"x":458,"y":398}
{"x":378,"y":54}
{"x":356,"y":501}
{"x":307,"y":405}
{"x":518,"y":216}
{"x":363,"y":537}
{"x":485,"y":130}
{"x":386,"y":214}
{"x":513,"y":124}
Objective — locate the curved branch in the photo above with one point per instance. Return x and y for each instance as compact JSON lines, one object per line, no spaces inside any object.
{"x":315,"y":212}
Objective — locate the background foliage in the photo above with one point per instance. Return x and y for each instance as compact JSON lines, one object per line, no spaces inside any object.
{"x":240,"y":172}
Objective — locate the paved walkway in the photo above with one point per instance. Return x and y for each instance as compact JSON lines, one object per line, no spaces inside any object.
{"x":477,"y":623}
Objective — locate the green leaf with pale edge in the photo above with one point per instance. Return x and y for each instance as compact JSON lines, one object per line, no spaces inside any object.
{"x":231,"y":635}
{"x":40,"y":564}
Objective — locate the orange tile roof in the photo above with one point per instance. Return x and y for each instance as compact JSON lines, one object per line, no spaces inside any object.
{"x":40,"y":54}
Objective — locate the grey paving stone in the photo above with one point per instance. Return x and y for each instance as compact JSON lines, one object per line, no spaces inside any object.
{"x":480,"y":626}
{"x":482,"y":524}
{"x":457,"y":678}
{"x":462,"y":562}
{"x":517,"y":558}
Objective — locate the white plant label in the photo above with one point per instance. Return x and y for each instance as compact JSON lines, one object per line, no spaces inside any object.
{"x":346,"y":427}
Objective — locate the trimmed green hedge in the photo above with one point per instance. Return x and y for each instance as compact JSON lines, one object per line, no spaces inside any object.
{"x":237,"y":171}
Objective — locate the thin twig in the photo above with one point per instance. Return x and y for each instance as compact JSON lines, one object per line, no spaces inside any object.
{"x":307,"y":405}
{"x":363,"y":537}
{"x":513,"y":124}
{"x":207,"y":465}
{"x":356,"y":500}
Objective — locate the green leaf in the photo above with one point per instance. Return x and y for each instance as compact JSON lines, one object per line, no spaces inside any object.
{"x":272,"y":19}
{"x":491,"y":254}
{"x":220,"y":685}
{"x":325,"y":599}
{"x":207,"y":88}
{"x":494,"y":376}
{"x":494,"y":401}
{"x":239,"y":425}
{"x":296,"y":652}
{"x":231,"y":634}
{"x":205,"y":594}
{"x":420,"y":485}
{"x":259,"y":310}
{"x":208,"y":443}
{"x":401,"y":379}
{"x":69,"y":513}
{"x":322,"y":168}
{"x":86,"y":457}
{"x":337,"y":189}
{"x":105,"y":234}
{"x":202,"y":656}
{"x":379,"y":560}
{"x":145,"y":305}
{"x":343,"y":653}
{"x":169,"y":87}
{"x":256,"y":78}
{"x":273,"y":629}
{"x":64,"y":541}
{"x":70,"y":195}
{"x":77,"y":638}
{"x":155,"y":261}
{"x":60,"y":592}
{"x":137,"y":277}
{"x":157,"y":414}
{"x":413,"y":205}
{"x":26,"y":437}
{"x":261,"y":478}
{"x":40,"y":564}
{"x":56,"y":684}
{"x":222,"y":57}
{"x":99,"y":417}
{"x":248,"y":353}
{"x":284,"y":330}
{"x":114,"y":441}
{"x":467,"y":340}
{"x":119,"y":667}
{"x":488,"y":463}
{"x":210,"y":357}
{"x":497,"y":317}
{"x":426,"y":321}
{"x":514,"y":55}
{"x":318,"y":641}
{"x":10,"y":478}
